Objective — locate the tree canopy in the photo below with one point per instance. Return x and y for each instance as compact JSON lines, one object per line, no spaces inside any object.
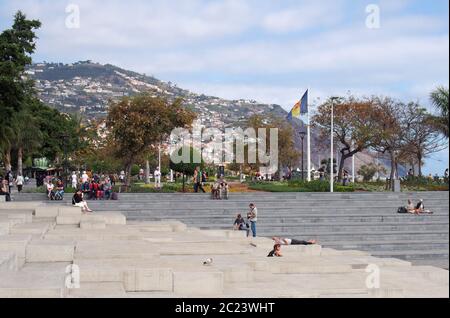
{"x":440,"y":100}
{"x":16,"y":46}
{"x":354,"y":125}
{"x":137,"y":123}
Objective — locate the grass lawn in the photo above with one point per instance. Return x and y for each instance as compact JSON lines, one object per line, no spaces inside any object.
{"x":295,"y":186}
{"x":318,"y":186}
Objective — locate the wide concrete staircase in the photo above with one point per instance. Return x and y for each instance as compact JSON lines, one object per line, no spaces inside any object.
{"x":361,"y":221}
{"x":53,"y":250}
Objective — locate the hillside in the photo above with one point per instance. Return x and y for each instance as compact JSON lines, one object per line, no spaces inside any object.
{"x":88,"y":88}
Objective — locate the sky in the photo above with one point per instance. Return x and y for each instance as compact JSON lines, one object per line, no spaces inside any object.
{"x":267,"y":50}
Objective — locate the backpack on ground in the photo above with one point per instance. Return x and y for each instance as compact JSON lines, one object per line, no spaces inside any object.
{"x":114,"y":196}
{"x":402,"y":210}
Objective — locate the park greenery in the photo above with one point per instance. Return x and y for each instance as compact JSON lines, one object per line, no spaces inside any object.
{"x":136,"y":128}
{"x":404,"y":132}
{"x":140,"y":123}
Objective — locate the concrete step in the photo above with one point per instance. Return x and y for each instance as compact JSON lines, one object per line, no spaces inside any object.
{"x":98,"y":290}
{"x":35,"y":229}
{"x":299,"y":205}
{"x":16,"y":244}
{"x":440,"y":210}
{"x":32,"y":285}
{"x":425,"y":257}
{"x":315,"y":219}
{"x":331,"y":228}
{"x":440,"y":263}
{"x":361,"y":236}
{"x":390,"y":246}
{"x":50,"y":251}
{"x":8,"y":261}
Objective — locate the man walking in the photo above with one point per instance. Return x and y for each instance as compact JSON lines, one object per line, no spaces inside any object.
{"x":157,"y":178}
{"x":19,"y":182}
{"x":253,"y":218}
{"x":198,"y":180}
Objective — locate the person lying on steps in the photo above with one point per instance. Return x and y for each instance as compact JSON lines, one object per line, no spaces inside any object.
{"x":287,"y":241}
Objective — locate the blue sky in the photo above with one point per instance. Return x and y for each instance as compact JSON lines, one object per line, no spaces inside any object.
{"x":268,"y":50}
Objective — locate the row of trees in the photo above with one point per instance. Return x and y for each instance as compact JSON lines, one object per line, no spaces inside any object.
{"x":405,"y":133}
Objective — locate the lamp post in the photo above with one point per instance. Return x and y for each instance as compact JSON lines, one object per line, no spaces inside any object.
{"x":353,"y":166}
{"x":64,"y":138}
{"x":302,"y":136}
{"x":333,"y":100}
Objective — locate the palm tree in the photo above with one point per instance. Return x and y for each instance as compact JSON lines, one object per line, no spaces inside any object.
{"x":6,"y":136}
{"x":440,"y":98}
{"x":27,"y":136}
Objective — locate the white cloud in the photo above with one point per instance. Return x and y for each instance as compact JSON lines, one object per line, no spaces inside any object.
{"x":304,"y":16}
{"x":393,"y":6}
{"x":139,"y":24}
{"x":311,"y":41}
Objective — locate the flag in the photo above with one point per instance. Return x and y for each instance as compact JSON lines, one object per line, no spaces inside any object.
{"x":301,"y":108}
{"x":304,"y":109}
{"x":295,"y":112}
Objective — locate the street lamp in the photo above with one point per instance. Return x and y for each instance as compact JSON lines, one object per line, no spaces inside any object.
{"x":333,"y":100}
{"x":65,"y":138}
{"x":302,"y":136}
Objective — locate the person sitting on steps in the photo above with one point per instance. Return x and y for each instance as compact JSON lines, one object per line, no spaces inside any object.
{"x":420,"y":208}
{"x":59,"y":193}
{"x":4,"y":190}
{"x":410,"y":207}
{"x":215,"y":191}
{"x":78,"y":201}
{"x":241,"y":225}
{"x":276,"y":252}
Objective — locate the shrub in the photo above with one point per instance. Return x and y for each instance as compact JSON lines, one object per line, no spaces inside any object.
{"x":368,"y":171}
{"x":135,"y":170}
{"x":298,"y":186}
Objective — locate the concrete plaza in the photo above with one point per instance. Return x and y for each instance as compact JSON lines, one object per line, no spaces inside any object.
{"x":53,"y":250}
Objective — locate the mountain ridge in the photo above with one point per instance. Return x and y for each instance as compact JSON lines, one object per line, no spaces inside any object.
{"x":89,"y":87}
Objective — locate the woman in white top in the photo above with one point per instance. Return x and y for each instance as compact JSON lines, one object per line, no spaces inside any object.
{"x":19,"y":182}
{"x":74,"y":180}
{"x":84,"y":177}
{"x":50,"y":188}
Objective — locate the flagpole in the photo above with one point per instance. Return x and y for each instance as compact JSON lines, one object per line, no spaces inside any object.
{"x":353,"y":165}
{"x":332,"y":149}
{"x":309,"y":142}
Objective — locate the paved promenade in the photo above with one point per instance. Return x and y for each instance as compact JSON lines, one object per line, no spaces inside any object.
{"x":361,"y":221}
{"x":52,"y":250}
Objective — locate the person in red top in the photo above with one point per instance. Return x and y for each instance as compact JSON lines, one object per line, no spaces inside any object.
{"x":94,"y":190}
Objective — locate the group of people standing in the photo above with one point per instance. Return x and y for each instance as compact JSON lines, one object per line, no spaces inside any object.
{"x":200,"y":178}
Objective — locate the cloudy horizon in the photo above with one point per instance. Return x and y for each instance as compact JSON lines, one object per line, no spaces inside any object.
{"x":266,"y":50}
